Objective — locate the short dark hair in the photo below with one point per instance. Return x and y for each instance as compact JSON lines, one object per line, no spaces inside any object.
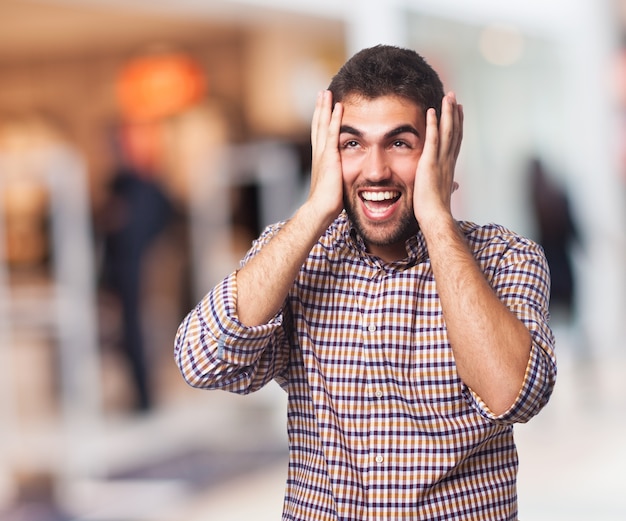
{"x":385,"y":70}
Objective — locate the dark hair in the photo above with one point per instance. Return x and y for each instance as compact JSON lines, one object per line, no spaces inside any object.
{"x":385,"y":70}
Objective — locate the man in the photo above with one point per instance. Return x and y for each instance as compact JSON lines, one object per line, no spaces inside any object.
{"x":409,"y":343}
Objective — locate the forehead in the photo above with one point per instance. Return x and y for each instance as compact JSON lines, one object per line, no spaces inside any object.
{"x":385,"y":111}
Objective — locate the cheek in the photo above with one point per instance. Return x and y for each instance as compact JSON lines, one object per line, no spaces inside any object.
{"x":405,"y":168}
{"x":349,"y":170}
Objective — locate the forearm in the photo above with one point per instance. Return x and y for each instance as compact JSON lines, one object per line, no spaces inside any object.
{"x":264,"y":282}
{"x":214,"y":351}
{"x":490,"y":345}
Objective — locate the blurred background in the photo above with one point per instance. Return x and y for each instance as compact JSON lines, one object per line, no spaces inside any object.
{"x":144,"y":144}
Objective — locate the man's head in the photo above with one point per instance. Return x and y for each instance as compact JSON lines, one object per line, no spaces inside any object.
{"x":385,"y":93}
{"x":386,"y":70}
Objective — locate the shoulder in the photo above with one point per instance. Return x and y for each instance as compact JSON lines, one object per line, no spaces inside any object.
{"x":492,"y":232}
{"x":337,"y":234}
{"x":495,"y":239}
{"x":334,"y":239}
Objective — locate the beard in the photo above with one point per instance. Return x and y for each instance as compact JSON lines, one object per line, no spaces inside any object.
{"x":381,"y":234}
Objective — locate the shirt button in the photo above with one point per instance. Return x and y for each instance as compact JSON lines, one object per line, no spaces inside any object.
{"x":379,"y":459}
{"x":378,"y":393}
{"x":371,"y":328}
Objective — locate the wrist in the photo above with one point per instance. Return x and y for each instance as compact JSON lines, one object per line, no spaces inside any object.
{"x":439,"y":226}
{"x":321,"y":211}
{"x":314,"y":219}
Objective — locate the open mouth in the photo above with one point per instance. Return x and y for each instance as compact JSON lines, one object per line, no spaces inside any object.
{"x":379,"y":202}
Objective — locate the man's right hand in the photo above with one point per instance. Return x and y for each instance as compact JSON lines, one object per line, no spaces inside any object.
{"x":264,"y":282}
{"x":326,"y":192}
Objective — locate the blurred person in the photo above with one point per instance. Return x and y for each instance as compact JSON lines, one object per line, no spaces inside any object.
{"x":137,"y":213}
{"x":557,"y":233}
{"x":409,"y":343}
{"x":153,"y":89}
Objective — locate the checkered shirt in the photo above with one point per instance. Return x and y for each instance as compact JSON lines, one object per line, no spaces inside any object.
{"x":380,"y":425}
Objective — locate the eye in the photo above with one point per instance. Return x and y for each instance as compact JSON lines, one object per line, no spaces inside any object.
{"x":350,"y":143}
{"x":398,"y":143}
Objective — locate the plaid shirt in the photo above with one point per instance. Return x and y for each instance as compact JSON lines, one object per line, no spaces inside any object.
{"x":380,"y":425}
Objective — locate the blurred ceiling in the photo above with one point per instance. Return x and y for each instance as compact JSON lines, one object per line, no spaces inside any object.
{"x":39,"y":29}
{"x":35,"y":29}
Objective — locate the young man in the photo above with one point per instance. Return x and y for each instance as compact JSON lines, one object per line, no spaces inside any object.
{"x":409,"y":343}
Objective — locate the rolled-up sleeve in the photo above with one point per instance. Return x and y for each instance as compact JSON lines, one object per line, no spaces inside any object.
{"x":213,"y":350}
{"x":538,"y":384}
{"x":522,"y":281}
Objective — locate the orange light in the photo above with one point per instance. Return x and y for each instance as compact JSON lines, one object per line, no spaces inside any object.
{"x":158,"y":86}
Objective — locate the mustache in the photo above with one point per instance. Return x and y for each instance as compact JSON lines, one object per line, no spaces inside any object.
{"x":378,"y":184}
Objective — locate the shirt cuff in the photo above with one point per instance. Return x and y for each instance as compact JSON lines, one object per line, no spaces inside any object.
{"x":238,"y":344}
{"x":533,"y":395}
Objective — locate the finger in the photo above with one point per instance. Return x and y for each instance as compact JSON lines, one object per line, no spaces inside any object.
{"x":446,"y":126}
{"x":334,"y":127}
{"x":461,"y":117}
{"x":316,"y":116}
{"x":431,"y":141}
{"x":451,"y":127}
{"x":323,"y":119}
{"x":456,"y":127}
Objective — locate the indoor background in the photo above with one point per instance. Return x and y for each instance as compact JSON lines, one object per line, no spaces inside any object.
{"x":144,"y":144}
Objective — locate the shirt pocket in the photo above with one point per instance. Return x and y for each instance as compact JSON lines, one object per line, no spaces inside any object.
{"x":434,"y":377}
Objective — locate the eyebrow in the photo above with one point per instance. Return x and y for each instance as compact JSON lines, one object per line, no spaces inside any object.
{"x":347,"y":129}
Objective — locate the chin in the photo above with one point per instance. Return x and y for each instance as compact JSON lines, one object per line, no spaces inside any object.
{"x":385,"y":234}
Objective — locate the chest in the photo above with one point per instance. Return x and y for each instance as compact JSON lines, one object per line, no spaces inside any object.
{"x":363,"y":332}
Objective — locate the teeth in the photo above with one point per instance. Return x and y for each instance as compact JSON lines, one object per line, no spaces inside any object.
{"x":379,"y":196}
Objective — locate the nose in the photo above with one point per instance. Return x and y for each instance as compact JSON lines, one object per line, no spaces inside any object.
{"x":376,"y":167}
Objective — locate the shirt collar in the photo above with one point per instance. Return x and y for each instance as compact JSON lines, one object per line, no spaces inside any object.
{"x":416,"y":249}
